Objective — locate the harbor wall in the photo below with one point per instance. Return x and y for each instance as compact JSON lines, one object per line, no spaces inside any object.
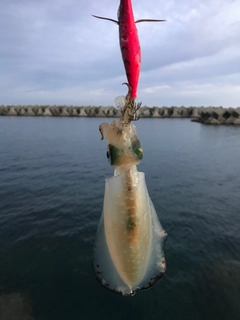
{"x":207,"y":115}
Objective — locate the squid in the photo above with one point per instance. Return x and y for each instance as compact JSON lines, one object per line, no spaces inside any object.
{"x":128,"y":251}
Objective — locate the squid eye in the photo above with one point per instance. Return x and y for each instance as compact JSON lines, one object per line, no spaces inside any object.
{"x":108,"y":154}
{"x":114,"y":154}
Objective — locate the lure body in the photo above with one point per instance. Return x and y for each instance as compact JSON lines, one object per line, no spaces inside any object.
{"x":129,"y":42}
{"x":128,"y":251}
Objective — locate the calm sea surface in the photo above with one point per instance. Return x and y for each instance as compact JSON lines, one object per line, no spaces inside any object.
{"x":52,"y":175}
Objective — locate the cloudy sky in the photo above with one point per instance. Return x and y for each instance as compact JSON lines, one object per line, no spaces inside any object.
{"x":55,"y":52}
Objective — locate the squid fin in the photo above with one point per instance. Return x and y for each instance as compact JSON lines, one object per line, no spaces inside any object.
{"x":157,"y":265}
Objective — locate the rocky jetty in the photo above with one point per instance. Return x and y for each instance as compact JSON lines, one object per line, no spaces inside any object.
{"x":219,"y":116}
{"x":207,"y":115}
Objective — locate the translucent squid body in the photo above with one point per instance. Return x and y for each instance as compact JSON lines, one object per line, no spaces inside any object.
{"x":128,"y":251}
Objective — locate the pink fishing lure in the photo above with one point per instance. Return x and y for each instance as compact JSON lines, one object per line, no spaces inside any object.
{"x":129,"y":43}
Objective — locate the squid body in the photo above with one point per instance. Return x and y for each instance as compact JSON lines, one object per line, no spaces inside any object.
{"x":128,"y":252}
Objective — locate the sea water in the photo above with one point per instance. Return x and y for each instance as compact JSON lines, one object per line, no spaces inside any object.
{"x":52,"y":176}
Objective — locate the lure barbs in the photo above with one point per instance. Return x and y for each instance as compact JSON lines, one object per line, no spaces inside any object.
{"x":129,"y":42}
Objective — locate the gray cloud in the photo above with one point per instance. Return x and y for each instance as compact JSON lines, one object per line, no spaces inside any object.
{"x":53,"y":52}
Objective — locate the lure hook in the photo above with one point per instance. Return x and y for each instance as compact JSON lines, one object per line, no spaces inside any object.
{"x":129,"y":111}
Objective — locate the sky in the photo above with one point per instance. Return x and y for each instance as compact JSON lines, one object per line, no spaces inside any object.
{"x":55,"y":52}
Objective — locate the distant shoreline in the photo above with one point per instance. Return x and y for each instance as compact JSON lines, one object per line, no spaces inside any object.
{"x":207,"y":115}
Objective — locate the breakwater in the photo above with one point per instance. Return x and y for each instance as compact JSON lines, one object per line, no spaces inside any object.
{"x":207,"y":115}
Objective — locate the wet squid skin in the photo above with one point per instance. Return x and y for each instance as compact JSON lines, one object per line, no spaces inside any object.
{"x":128,"y":252}
{"x":128,"y":235}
